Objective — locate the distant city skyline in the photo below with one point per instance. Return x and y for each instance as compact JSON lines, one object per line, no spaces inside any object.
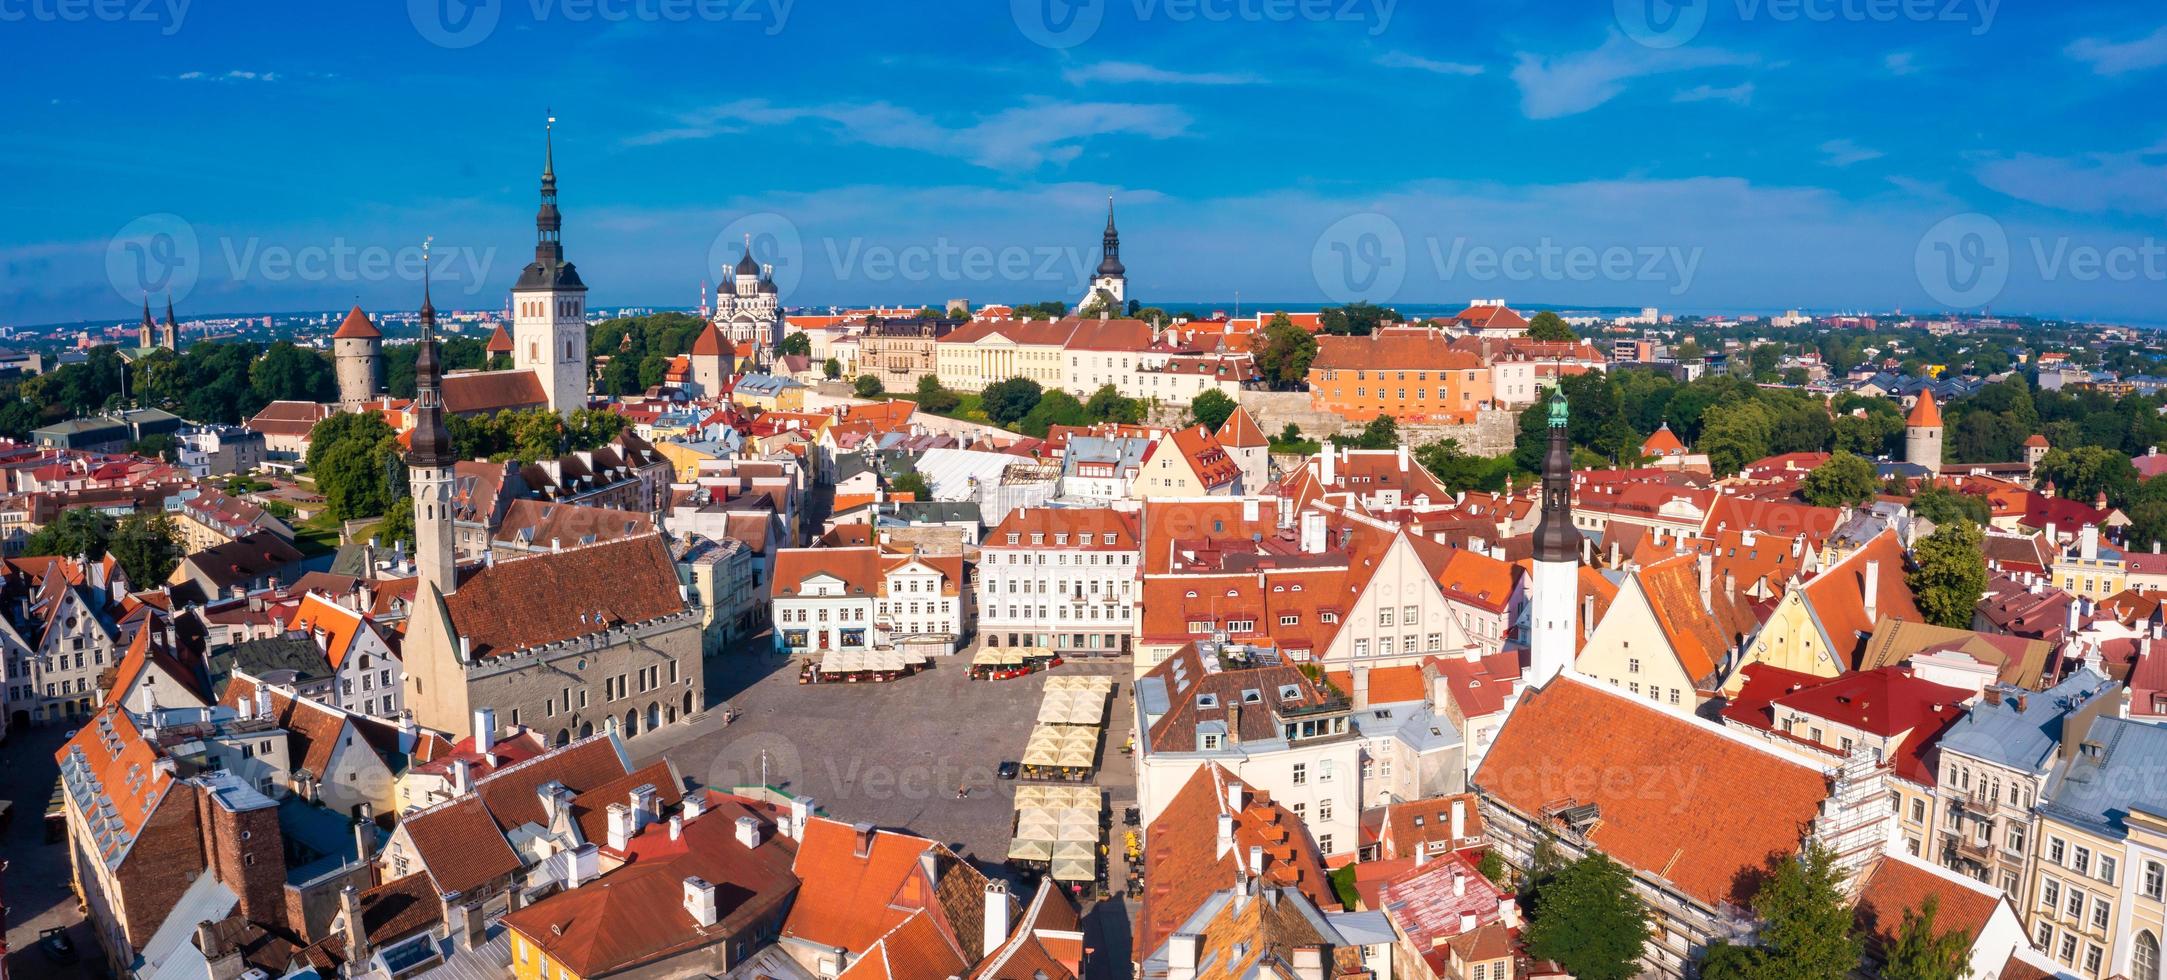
{"x":1738,"y":159}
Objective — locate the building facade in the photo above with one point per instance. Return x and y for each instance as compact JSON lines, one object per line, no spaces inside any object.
{"x":1060,"y":579}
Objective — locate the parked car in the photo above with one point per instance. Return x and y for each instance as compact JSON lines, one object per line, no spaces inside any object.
{"x":1008,"y":770}
{"x":56,"y":945}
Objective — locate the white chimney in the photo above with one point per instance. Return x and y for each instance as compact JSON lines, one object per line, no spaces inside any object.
{"x":2089,"y":542}
{"x":996,"y":921}
{"x":1226,"y":835}
{"x":801,"y":814}
{"x":677,"y":826}
{"x":1331,"y":465}
{"x":580,"y":865}
{"x":620,"y":826}
{"x":1312,"y":532}
{"x":1256,"y":859}
{"x":1403,"y":456}
{"x":695,"y":804}
{"x":1237,"y":797}
{"x":642,"y":800}
{"x":1873,"y":589}
{"x":700,"y":901}
{"x":1459,"y":883}
{"x":1181,"y":954}
{"x":462,"y":777}
{"x":1467,"y":922}
{"x":485,"y":730}
{"x":1459,"y":821}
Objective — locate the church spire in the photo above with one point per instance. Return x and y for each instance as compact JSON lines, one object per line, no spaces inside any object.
{"x":549,"y":270}
{"x":431,"y":438}
{"x":1110,"y":245}
{"x":1555,"y":537}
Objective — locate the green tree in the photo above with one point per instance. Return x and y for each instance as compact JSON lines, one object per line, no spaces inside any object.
{"x":1382,"y":432}
{"x":831,"y":369}
{"x":148,"y":546}
{"x":2085,"y":472}
{"x":1286,"y":353}
{"x":911,"y":483}
{"x":1007,"y":402}
{"x":1951,"y":575}
{"x":1845,"y":480}
{"x":796,"y":343}
{"x":1358,"y":319}
{"x":397,"y":525}
{"x":1056,"y":407}
{"x":934,"y":398}
{"x":1108,"y":404}
{"x":288,"y":373}
{"x":1460,"y":471}
{"x":1920,"y":953}
{"x":1492,"y":867}
{"x":1805,"y":931}
{"x":1737,"y":435}
{"x":1549,"y":326}
{"x":1211,"y":408}
{"x":77,"y":533}
{"x":1945,"y":506}
{"x":1587,"y":920}
{"x":868,"y":386}
{"x":353,"y":456}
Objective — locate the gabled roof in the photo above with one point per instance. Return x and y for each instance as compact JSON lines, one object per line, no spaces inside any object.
{"x":459,"y":845}
{"x":1837,"y":596}
{"x":550,"y":596}
{"x":1184,"y":867}
{"x":499,"y":341}
{"x":861,"y":883}
{"x":1900,"y":883}
{"x":1240,"y":431}
{"x":114,"y":775}
{"x":478,"y":392}
{"x":1683,"y":819}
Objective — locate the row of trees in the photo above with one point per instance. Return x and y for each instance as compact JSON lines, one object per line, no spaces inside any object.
{"x":212,"y":381}
{"x":145,"y":543}
{"x":1586,"y":917}
{"x":360,"y":468}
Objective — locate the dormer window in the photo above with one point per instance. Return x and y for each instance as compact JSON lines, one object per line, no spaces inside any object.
{"x":1207,"y":700}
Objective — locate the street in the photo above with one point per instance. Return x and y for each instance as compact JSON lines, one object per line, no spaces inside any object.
{"x":37,"y":876}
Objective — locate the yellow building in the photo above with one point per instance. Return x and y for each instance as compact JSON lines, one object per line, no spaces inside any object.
{"x":1657,"y":640}
{"x":685,"y":458}
{"x":987,"y":352}
{"x":1820,"y":626}
{"x":2097,"y":899}
{"x":768,"y":393}
{"x":2088,"y":570}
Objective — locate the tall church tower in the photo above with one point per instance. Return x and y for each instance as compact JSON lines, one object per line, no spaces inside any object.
{"x":1111,"y":278}
{"x":1554,"y":594}
{"x":429,"y":462}
{"x":169,"y":333}
{"x":549,"y":315}
{"x":357,"y":353}
{"x":144,"y":339}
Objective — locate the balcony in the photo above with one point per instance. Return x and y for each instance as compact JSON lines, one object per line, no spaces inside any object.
{"x":1975,"y":851}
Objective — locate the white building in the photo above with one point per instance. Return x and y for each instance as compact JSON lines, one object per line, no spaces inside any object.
{"x":1061,"y":579}
{"x":1268,"y":725}
{"x":857,"y":599}
{"x":219,"y":450}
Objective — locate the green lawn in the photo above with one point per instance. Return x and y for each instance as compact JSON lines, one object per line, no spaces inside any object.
{"x":318,"y":535}
{"x":1343,"y":886}
{"x":969,"y":408}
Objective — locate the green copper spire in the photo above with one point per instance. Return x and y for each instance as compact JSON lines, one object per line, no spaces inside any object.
{"x":1558,"y":408}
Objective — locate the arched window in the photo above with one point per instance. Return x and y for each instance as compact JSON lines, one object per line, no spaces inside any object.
{"x":632,"y":722}
{"x":2144,"y":958}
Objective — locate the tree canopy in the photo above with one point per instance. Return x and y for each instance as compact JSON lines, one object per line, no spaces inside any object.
{"x":1007,"y":402}
{"x":1806,"y":920}
{"x":1211,"y":408}
{"x":1587,"y":920}
{"x":1549,"y":326}
{"x":1951,"y":575}
{"x":1844,"y":481}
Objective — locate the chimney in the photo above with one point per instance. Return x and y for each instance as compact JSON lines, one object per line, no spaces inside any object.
{"x":365,"y":834}
{"x":1707,"y":579}
{"x":581,"y":864}
{"x":1309,"y":962}
{"x":1181,"y":953}
{"x":1312,"y":532}
{"x":1872,"y":590}
{"x":1256,"y":859}
{"x":700,"y":901}
{"x":1226,"y":835}
{"x":996,"y":920}
{"x":1459,"y":821}
{"x":677,"y":826}
{"x":462,"y":777}
{"x":1331,"y":465}
{"x":1467,"y":922}
{"x":357,"y":933}
{"x":620,"y":826}
{"x":485,"y":730}
{"x":1360,"y":682}
{"x":801,"y":814}
{"x":1237,"y":797}
{"x":223,"y":958}
{"x":1993,"y":695}
{"x":2088,"y":542}
{"x":1233,"y":722}
{"x":864,"y":833}
{"x":1459,"y":883}
{"x":642,"y":800}
{"x":1403,"y":456}
{"x":695,"y":803}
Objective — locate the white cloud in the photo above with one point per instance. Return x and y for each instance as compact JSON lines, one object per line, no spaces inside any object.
{"x":1029,"y":135}
{"x":2115,"y":57}
{"x":1900,"y":63}
{"x":1843,"y":153}
{"x":1129,"y":71}
{"x":1552,"y":86}
{"x":1740,"y":94}
{"x":2092,"y":183}
{"x":1401,"y":59}
{"x":236,"y":75}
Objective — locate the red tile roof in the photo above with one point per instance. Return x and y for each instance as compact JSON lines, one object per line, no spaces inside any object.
{"x":500,"y":342}
{"x":551,"y":596}
{"x":1838,"y":596}
{"x":1899,"y":883}
{"x":1240,"y":431}
{"x":356,"y":326}
{"x":1680,"y":817}
{"x":850,"y":899}
{"x":480,"y":392}
{"x":1183,"y":865}
{"x":460,"y":846}
{"x":1924,"y":413}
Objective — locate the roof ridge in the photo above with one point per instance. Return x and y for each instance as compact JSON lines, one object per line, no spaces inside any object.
{"x":1722,"y":731}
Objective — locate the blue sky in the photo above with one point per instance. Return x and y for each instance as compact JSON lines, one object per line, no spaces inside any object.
{"x":1714,"y":155}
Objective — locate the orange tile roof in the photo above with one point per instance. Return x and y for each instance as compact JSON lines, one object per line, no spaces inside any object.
{"x":123,"y":767}
{"x":1900,"y":883}
{"x":1183,"y":866}
{"x":340,"y":625}
{"x":846,"y":898}
{"x":1673,"y":590}
{"x":1387,"y":685}
{"x":460,"y":847}
{"x":476,"y":392}
{"x":1395,"y":350}
{"x":499,"y":341}
{"x":1084,"y":528}
{"x":858,"y":568}
{"x":1924,"y":413}
{"x":1240,"y":431}
{"x":356,"y":326}
{"x":1662,"y":443}
{"x":1681,"y":817}
{"x":1838,"y":596}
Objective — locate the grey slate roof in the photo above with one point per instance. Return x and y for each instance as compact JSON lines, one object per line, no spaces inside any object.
{"x":2023,"y":737}
{"x":2096,"y":791}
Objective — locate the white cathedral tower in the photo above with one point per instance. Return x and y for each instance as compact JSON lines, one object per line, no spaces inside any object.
{"x":549,"y":304}
{"x":1553,"y":605}
{"x":748,"y":307}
